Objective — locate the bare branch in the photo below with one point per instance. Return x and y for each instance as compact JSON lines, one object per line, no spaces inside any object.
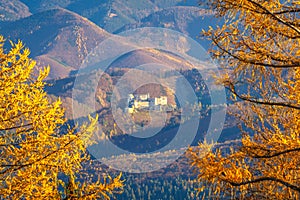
{"x":289,"y":185}
{"x":269,"y":103}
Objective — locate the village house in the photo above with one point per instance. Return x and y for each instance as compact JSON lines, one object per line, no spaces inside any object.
{"x":143,"y":101}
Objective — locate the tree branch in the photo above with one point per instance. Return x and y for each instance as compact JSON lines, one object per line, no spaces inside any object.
{"x":252,"y":61}
{"x":289,"y":185}
{"x":269,"y":103}
{"x":15,"y":127}
{"x":275,"y":16}
{"x":277,"y":153}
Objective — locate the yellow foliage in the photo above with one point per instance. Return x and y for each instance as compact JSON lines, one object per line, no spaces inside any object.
{"x":35,"y":154}
{"x":258,"y":48}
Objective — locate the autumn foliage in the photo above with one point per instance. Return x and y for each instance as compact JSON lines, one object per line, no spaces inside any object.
{"x":40,"y":159}
{"x":258,"y":49}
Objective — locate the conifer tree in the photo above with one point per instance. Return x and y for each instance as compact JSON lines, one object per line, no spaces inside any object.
{"x":258,"y":48}
{"x":36,"y":154}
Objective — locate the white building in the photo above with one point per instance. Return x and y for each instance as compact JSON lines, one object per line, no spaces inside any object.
{"x":144,"y":97}
{"x":163,"y":101}
{"x":144,"y":101}
{"x":141,"y":104}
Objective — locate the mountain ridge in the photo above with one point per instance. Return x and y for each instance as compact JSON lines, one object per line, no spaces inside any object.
{"x":57,"y":35}
{"x":11,"y":10}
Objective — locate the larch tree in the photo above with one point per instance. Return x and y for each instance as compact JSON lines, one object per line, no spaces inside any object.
{"x":40,"y":157}
{"x":258,"y":48}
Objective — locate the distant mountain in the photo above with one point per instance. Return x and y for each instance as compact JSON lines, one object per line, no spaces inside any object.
{"x":11,"y":10}
{"x":94,"y":10}
{"x":189,"y":20}
{"x":110,"y":15}
{"x":57,"y":37}
{"x":48,"y":33}
{"x":36,"y":6}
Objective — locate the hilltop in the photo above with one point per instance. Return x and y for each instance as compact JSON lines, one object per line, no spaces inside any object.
{"x":56,"y":37}
{"x":11,"y":10}
{"x":110,"y":15}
